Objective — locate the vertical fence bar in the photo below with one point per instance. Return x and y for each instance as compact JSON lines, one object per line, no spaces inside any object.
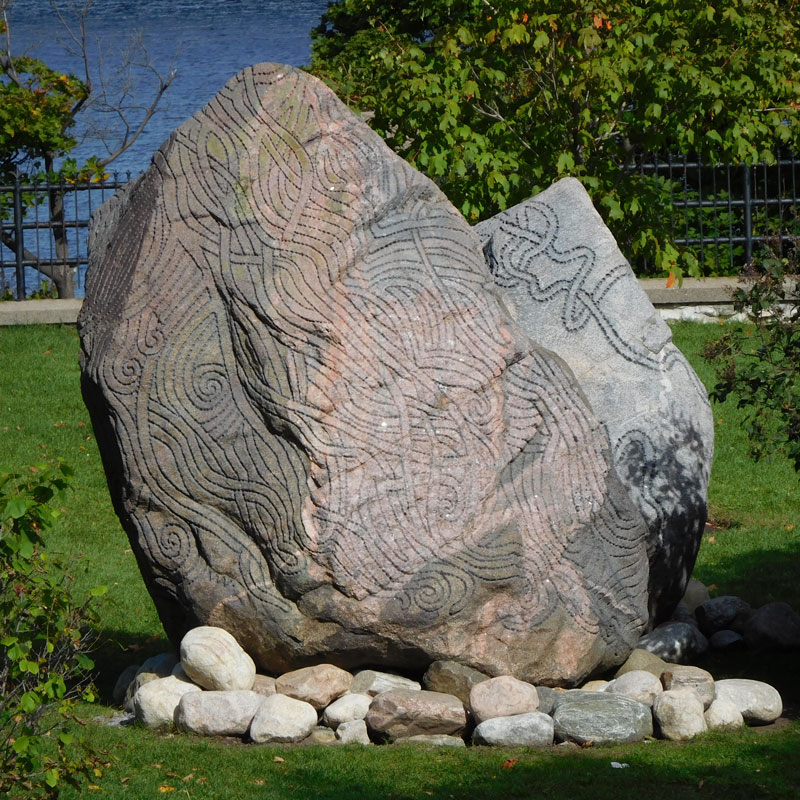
{"x":748,"y":215}
{"x":19,"y":238}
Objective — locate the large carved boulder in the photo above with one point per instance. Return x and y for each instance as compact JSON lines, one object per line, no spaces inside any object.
{"x":563,"y":278}
{"x":321,"y":430}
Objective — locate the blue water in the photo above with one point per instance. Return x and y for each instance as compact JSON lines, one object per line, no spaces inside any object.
{"x":205,"y":42}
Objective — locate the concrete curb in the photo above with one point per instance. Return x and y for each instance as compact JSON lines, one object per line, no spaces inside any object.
{"x":712,"y":296}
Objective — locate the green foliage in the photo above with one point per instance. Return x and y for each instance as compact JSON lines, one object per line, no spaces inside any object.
{"x":760,"y":365}
{"x":495,"y":100}
{"x":46,"y":635}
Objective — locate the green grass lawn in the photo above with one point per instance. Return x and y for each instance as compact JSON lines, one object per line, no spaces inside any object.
{"x":752,"y":550}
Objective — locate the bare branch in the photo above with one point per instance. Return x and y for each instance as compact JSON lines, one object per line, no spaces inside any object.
{"x":6,"y":59}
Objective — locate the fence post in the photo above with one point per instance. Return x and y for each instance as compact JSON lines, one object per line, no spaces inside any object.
{"x":748,"y":216}
{"x":18,"y":236}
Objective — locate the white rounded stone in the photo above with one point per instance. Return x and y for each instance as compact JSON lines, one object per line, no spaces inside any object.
{"x":723,"y":714}
{"x":155,"y":702}
{"x":282,"y":719}
{"x":503,"y":696}
{"x":758,"y":702}
{"x":226,"y":713}
{"x":372,"y":682}
{"x":353,"y":732}
{"x":213,"y":659}
{"x":347,"y":708}
{"x":638,"y":685}
{"x":678,"y":714}
{"x":319,"y":685}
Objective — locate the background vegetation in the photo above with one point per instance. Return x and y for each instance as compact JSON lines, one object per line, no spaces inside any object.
{"x":495,"y":99}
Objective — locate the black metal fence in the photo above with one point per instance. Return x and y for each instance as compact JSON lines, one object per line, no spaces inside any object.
{"x":35,"y":241}
{"x":720,"y":212}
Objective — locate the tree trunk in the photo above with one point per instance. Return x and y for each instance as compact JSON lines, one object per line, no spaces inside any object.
{"x":60,"y":274}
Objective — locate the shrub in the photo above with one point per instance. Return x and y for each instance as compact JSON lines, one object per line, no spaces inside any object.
{"x":46,"y":635}
{"x":760,"y":364}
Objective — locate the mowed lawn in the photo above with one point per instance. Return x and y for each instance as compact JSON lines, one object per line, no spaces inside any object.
{"x":751,"y":548}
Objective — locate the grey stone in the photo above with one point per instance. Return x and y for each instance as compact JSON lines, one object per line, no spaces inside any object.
{"x":758,"y":702}
{"x":322,"y":429}
{"x":213,"y":659}
{"x":532,"y":729}
{"x":726,"y":640}
{"x":431,"y":740}
{"x":719,"y":613}
{"x":678,"y":714}
{"x":683,"y":614}
{"x":372,"y":682}
{"x":503,"y":696}
{"x":346,"y":709}
{"x":353,"y":732}
{"x":402,"y":712}
{"x":123,"y":682}
{"x":688,"y":677}
{"x":451,"y":677}
{"x":639,"y":685}
{"x":774,"y":626}
{"x":225,"y":713}
{"x":319,"y":685}
{"x":282,"y":719}
{"x":601,"y":718}
{"x":547,"y":698}
{"x":676,"y":642}
{"x":643,"y":659}
{"x":155,"y":702}
{"x":562,"y":275}
{"x":695,"y":595}
{"x":723,"y":714}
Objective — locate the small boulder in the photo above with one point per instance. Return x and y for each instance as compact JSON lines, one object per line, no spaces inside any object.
{"x":719,"y":613}
{"x":639,"y":684}
{"x":319,"y":685}
{"x":451,"y":677}
{"x":727,"y":641}
{"x":347,"y":708}
{"x":503,"y":696}
{"x":533,"y":729}
{"x":758,"y":702}
{"x":373,"y":682}
{"x":264,"y":685}
{"x":723,"y":714}
{"x":547,"y":698}
{"x":158,"y":666}
{"x":686,"y":677}
{"x":214,"y":660}
{"x":353,"y":732}
{"x":155,"y":702}
{"x":678,"y":714}
{"x":431,"y":740}
{"x":642,"y":659}
{"x":775,"y":626}
{"x":595,"y":686}
{"x":321,"y":735}
{"x":675,"y":642}
{"x":226,"y":713}
{"x":600,"y":718}
{"x":282,"y":719}
{"x":407,"y":712}
{"x":695,"y":595}
{"x":123,"y":682}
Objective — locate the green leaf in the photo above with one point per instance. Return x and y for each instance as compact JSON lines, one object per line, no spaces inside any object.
{"x":16,"y":507}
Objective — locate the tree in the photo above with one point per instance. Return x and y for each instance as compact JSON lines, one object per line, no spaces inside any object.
{"x":495,"y":99}
{"x":45,"y":113}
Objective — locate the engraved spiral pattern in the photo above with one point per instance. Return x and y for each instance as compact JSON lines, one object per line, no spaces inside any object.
{"x":322,"y":429}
